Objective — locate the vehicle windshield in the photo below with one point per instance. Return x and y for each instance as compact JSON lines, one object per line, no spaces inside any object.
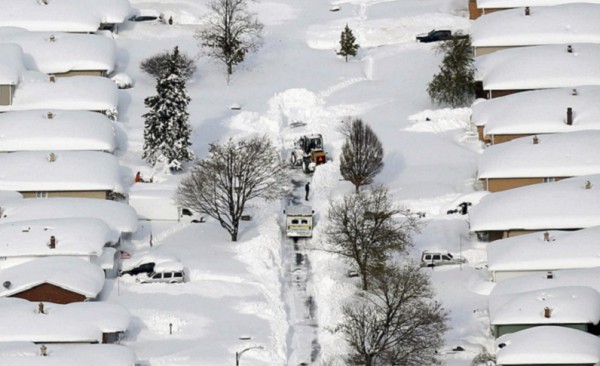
{"x":315,"y":143}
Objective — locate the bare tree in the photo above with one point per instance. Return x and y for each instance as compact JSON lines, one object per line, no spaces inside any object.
{"x":160,"y":63}
{"x":233,"y":174}
{"x":362,"y":154}
{"x":365,"y":228}
{"x":229,"y":33}
{"x":397,"y":322}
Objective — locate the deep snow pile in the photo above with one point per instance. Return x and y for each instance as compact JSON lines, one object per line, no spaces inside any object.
{"x":235,"y":293}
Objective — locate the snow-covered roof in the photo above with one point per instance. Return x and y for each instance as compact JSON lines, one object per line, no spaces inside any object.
{"x":29,"y":171}
{"x":28,"y":354}
{"x":568,"y":23}
{"x":564,"y":250}
{"x":299,"y":210}
{"x":568,"y":305}
{"x":107,"y":259}
{"x":539,"y":67}
{"x":168,"y":266}
{"x":74,"y":322}
{"x":521,"y":3}
{"x":555,"y":155}
{"x":70,"y":273}
{"x":91,"y":93}
{"x":60,"y":52}
{"x":74,"y":236}
{"x":559,"y":205}
{"x":546,"y":345}
{"x":11,"y":63}
{"x":539,"y":281}
{"x":118,"y":215}
{"x":9,"y":195}
{"x":63,"y":15}
{"x":539,"y":111}
{"x":56,"y":130}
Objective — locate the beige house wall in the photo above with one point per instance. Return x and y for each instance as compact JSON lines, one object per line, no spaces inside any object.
{"x":6,"y":94}
{"x":79,"y":194}
{"x":81,"y":73}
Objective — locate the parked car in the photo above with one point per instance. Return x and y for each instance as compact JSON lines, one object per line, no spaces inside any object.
{"x":437,"y":35}
{"x":432,"y":258}
{"x":166,"y":272}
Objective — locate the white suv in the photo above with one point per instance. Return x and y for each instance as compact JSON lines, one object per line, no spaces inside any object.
{"x":165,"y":277}
{"x":431,"y":258}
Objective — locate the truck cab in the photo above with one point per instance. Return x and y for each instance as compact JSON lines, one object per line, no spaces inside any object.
{"x":432,"y":258}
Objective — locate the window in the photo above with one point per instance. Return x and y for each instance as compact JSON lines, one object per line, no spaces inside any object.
{"x":305,"y":222}
{"x":168,"y":275}
{"x":41,"y":194}
{"x":549,"y":179}
{"x":295,"y":222}
{"x":436,"y":257}
{"x":427,"y":257}
{"x":186,"y":212}
{"x":178,"y":274}
{"x":157,"y":275}
{"x":445,"y":257}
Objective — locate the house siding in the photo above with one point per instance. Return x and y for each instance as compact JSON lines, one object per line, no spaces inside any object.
{"x":81,"y":73}
{"x":491,"y":94}
{"x":50,"y":293}
{"x":503,"y":184}
{"x":480,"y":51}
{"x":499,"y":139}
{"x":6,"y":93}
{"x":474,"y":12}
{"x":80,"y":194}
{"x":500,"y":330}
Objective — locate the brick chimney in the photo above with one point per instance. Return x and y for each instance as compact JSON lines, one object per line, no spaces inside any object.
{"x":52,"y":78}
{"x":570,"y":49}
{"x":569,"y":116}
{"x":41,"y":308}
{"x":574,"y":92}
{"x":546,"y":236}
{"x":43,"y":351}
{"x":52,"y":244}
{"x":549,"y":275}
{"x":588,"y":184}
{"x":527,"y":11}
{"x":547,"y":312}
{"x":536,"y":140}
{"x":50,"y":115}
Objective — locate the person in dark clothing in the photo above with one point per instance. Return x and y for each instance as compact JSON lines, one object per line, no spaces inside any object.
{"x":307,"y":189}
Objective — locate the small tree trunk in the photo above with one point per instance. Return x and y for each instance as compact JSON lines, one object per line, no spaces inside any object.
{"x":364,"y":277}
{"x":368,"y":360}
{"x":234,"y":232}
{"x":346,"y":58}
{"x":356,"y":187}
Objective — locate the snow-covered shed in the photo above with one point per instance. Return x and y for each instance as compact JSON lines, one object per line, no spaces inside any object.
{"x":29,"y":354}
{"x":538,"y":67}
{"x":83,"y":322}
{"x":560,"y":24}
{"x":39,"y":91}
{"x":43,"y":174}
{"x":118,"y":215}
{"x":83,"y":238}
{"x":39,"y":130}
{"x":54,"y":279}
{"x":478,"y":8}
{"x":80,"y":16}
{"x":548,"y":345}
{"x":537,"y":112}
{"x":576,"y":307}
{"x":11,"y":69}
{"x":542,"y":252}
{"x":540,"y":159}
{"x":63,"y":54}
{"x":569,"y":204}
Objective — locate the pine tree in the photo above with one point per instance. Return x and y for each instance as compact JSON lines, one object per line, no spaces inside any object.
{"x":348,"y":47}
{"x":166,"y":130}
{"x":455,"y":83}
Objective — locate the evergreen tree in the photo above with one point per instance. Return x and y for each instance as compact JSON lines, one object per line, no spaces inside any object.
{"x":166,"y":130}
{"x":348,"y":47}
{"x":455,"y":83}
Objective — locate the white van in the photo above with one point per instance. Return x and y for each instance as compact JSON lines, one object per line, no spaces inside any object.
{"x":432,"y":258}
{"x":166,"y":272}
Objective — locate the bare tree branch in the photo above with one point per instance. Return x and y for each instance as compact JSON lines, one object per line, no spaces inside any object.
{"x":233,"y":174}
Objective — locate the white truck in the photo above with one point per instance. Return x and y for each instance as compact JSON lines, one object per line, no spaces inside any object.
{"x":299,"y":221}
{"x":153,"y":201}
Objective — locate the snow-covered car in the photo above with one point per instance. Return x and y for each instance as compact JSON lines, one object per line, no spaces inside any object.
{"x":165,"y":272}
{"x":432,"y":258}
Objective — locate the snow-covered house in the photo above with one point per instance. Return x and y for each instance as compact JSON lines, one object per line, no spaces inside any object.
{"x":548,"y":345}
{"x":576,"y":307}
{"x":80,"y":16}
{"x":29,"y":354}
{"x":560,"y":24}
{"x":537,"y":67}
{"x":11,"y":68}
{"x":537,"y":112}
{"x":478,"y":8}
{"x":83,"y":322}
{"x":36,"y":90}
{"x":83,"y":238}
{"x":118,"y":215}
{"x":569,"y":204}
{"x":45,"y":174}
{"x":40,"y":130}
{"x":56,"y":279}
{"x":540,"y":159}
{"x":63,"y":54}
{"x":543,"y":252}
